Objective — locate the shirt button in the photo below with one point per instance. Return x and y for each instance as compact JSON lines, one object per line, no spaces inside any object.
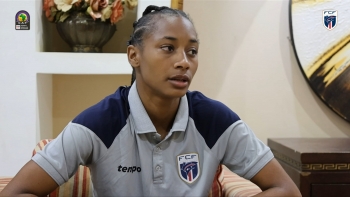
{"x":157,"y":149}
{"x":158,"y":168}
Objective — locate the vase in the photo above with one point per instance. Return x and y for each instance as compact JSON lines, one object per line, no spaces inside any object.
{"x":84,"y":34}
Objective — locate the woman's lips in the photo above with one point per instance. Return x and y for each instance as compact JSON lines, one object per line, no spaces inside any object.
{"x":179,"y":81}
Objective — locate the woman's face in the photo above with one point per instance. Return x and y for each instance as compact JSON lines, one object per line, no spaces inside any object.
{"x":168,"y":59}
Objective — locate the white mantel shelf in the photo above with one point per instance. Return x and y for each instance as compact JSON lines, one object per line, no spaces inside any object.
{"x":83,"y":63}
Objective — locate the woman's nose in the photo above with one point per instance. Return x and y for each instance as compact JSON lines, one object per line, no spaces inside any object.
{"x":182,"y":62}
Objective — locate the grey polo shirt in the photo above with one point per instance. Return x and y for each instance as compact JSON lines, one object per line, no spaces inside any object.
{"x":118,"y":142}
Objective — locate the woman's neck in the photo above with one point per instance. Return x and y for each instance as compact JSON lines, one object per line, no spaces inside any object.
{"x":161,"y":111}
{"x":162,"y":115}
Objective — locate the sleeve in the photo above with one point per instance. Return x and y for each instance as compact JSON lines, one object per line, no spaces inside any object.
{"x":61,"y":157}
{"x":243,"y":153}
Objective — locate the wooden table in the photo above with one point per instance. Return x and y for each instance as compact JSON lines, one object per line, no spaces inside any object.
{"x":318,"y":166}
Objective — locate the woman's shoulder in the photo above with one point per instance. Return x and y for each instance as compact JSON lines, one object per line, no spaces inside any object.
{"x":198,"y":102}
{"x":116,"y":102}
{"x":211,"y":117}
{"x":108,"y":116}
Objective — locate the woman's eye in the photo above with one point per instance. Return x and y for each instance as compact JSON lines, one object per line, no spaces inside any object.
{"x":168,"y":48}
{"x":193,"y":52}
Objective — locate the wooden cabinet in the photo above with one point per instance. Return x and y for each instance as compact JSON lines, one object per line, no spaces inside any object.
{"x":318,"y":166}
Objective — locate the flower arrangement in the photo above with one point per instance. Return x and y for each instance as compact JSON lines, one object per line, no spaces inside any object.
{"x":112,"y":10}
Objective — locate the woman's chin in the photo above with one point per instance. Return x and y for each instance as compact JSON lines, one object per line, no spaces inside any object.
{"x":177,"y":93}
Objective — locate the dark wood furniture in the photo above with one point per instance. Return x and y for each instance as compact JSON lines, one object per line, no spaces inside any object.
{"x":318,"y":166}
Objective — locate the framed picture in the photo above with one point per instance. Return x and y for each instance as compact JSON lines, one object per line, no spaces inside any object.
{"x":320,"y":33}
{"x":177,"y":4}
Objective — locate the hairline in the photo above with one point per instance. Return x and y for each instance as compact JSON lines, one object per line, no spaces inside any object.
{"x":153,"y":27}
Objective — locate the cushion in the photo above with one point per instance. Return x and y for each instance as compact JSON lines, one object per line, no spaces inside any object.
{"x":236,"y":186}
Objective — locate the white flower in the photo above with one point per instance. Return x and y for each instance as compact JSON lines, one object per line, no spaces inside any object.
{"x":131,"y":4}
{"x":65,"y":5}
{"x":106,"y":13}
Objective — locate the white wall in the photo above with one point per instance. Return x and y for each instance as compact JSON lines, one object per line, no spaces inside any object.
{"x":17,"y":89}
{"x":246,"y":61}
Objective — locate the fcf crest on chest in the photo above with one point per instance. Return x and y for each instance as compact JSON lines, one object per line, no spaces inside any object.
{"x":188,"y":167}
{"x":330,"y":18}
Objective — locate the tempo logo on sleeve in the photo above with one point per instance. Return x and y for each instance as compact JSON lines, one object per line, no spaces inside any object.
{"x":22,"y":20}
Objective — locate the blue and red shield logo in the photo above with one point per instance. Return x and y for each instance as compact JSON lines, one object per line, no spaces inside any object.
{"x":188,"y":167}
{"x":330,"y":18}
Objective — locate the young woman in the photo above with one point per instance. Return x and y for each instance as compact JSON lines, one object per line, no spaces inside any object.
{"x":155,"y":138}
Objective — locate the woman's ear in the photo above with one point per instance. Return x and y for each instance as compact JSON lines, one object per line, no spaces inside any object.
{"x":133,"y":56}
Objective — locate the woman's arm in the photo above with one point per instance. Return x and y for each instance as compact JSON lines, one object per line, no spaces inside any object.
{"x":274,"y":181}
{"x":54,"y":165}
{"x":30,"y":181}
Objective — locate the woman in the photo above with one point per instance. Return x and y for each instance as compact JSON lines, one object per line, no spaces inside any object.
{"x":155,"y":138}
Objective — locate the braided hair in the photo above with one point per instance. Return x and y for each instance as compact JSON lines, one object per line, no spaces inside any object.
{"x":145,"y":25}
